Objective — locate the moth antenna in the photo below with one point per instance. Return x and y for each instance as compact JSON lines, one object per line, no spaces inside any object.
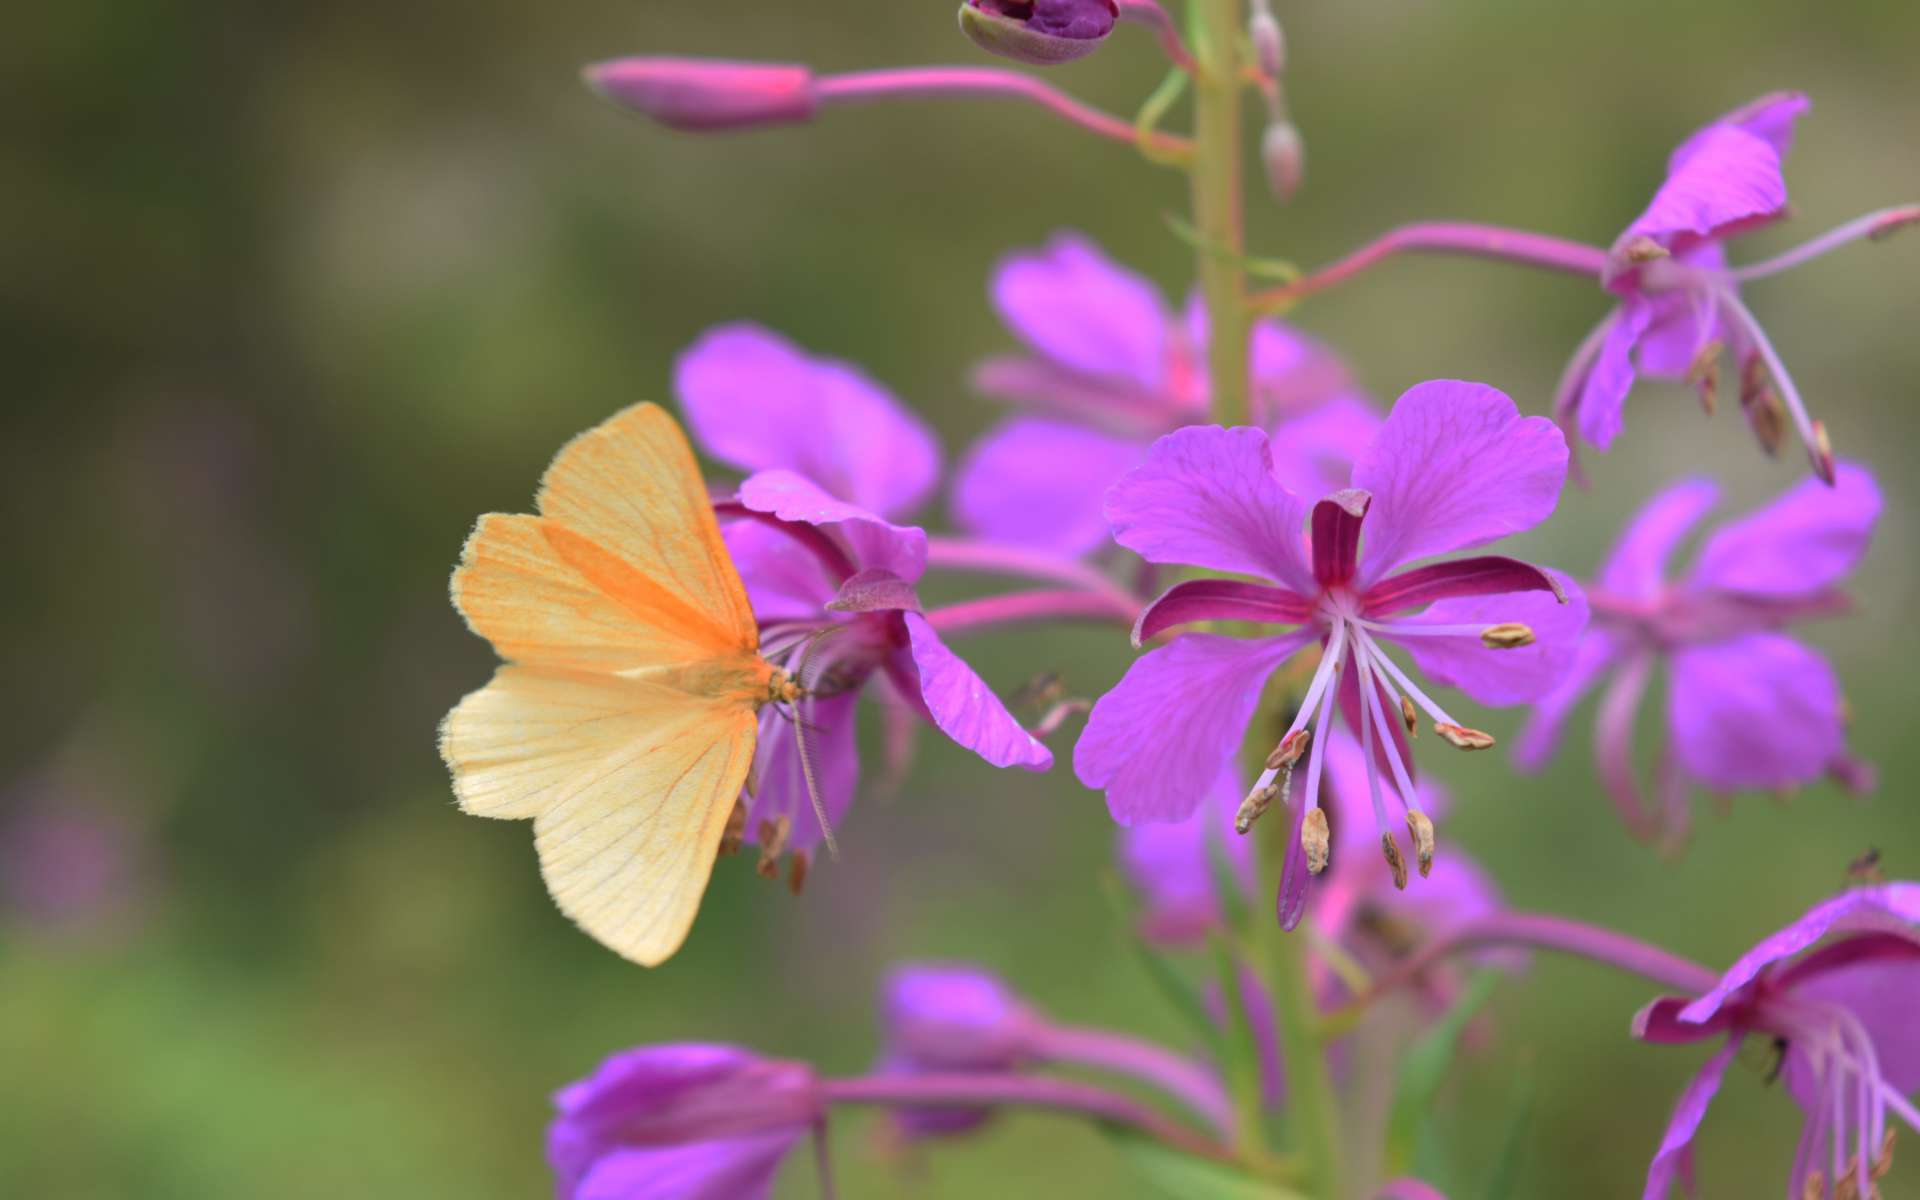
{"x":813,"y":788}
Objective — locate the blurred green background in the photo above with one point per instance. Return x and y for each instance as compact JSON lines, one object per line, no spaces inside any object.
{"x":292,"y":292}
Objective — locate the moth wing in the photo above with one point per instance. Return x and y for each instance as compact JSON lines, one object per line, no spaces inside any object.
{"x":628,"y":782}
{"x":631,"y":485}
{"x":546,"y":595}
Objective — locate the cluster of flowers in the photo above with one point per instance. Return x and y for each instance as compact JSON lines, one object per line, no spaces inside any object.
{"x":1329,"y":520}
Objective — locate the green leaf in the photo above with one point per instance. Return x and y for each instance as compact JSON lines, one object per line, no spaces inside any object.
{"x":1425,"y":1069}
{"x":1260,"y":268}
{"x":1155,"y":110}
{"x":1513,"y":1142}
{"x":1182,"y":1175}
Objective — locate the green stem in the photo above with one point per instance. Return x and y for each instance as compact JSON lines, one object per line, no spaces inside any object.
{"x":1218,"y":174}
{"x":1312,"y":1112}
{"x":1219,"y":185}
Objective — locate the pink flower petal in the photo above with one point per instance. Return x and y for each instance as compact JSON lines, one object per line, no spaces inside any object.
{"x":1219,"y":600}
{"x":1038,"y":482}
{"x":1486,"y":575}
{"x":1803,"y":543}
{"x":1861,"y":908}
{"x":1314,"y":453}
{"x":1770,"y":118}
{"x":1501,"y":677}
{"x":965,"y":708}
{"x":1082,"y":310}
{"x":754,"y":400}
{"x":875,"y":543}
{"x":1756,"y":711}
{"x":1675,"y":1156}
{"x":1603,"y":395}
{"x":1880,"y":995}
{"x":1176,"y":718}
{"x":1335,"y":535}
{"x":1207,"y":497}
{"x":1730,"y":179}
{"x":1540,"y":736}
{"x":1456,"y":466}
{"x":1637,"y":568}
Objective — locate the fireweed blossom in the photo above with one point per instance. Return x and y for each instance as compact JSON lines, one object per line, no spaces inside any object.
{"x":755,"y":401}
{"x":1747,"y":706}
{"x":1174,"y":869}
{"x":1680,"y":305}
{"x":1835,"y":994}
{"x":938,"y":1018}
{"x":1454,"y":466}
{"x":691,"y":1122}
{"x":832,"y":586}
{"x":1109,"y":369}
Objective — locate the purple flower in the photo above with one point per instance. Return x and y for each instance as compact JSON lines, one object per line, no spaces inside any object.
{"x":952,"y":1018}
{"x":756,"y":401}
{"x":1834,"y":992}
{"x":1680,"y":305}
{"x":832,"y":586}
{"x":1454,"y":466}
{"x":680,"y":1122}
{"x":1039,"y":32}
{"x":1747,"y":706}
{"x":1175,"y":869}
{"x":942,"y":1019}
{"x":1109,"y":369}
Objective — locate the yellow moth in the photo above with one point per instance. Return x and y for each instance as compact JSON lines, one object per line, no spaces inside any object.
{"x":624,"y":718}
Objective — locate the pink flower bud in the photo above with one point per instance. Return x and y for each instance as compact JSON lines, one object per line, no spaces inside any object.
{"x":707,"y":94}
{"x":1285,"y":158}
{"x":1040,"y":33}
{"x":1269,"y":44}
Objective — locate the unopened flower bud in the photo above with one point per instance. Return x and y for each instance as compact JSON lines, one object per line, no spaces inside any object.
{"x":1508,"y":635}
{"x":1040,"y":33}
{"x":1254,"y":807}
{"x":1420,"y":829}
{"x":1290,"y":750}
{"x":773,"y":839}
{"x":1269,"y":43}
{"x":1316,"y":839}
{"x":1391,"y":850}
{"x":1462,"y":738}
{"x":1284,"y":156}
{"x":1821,"y":452}
{"x":1409,"y":716}
{"x":707,"y":94}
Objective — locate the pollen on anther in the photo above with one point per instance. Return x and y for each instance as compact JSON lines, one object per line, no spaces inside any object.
{"x":1391,"y":850}
{"x":1254,"y":807}
{"x":1420,"y":829}
{"x":1508,"y":635}
{"x":1290,"y":750}
{"x":1316,"y":839}
{"x":773,"y":840}
{"x":797,"y":872}
{"x":1410,"y":717}
{"x":1462,"y":738}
